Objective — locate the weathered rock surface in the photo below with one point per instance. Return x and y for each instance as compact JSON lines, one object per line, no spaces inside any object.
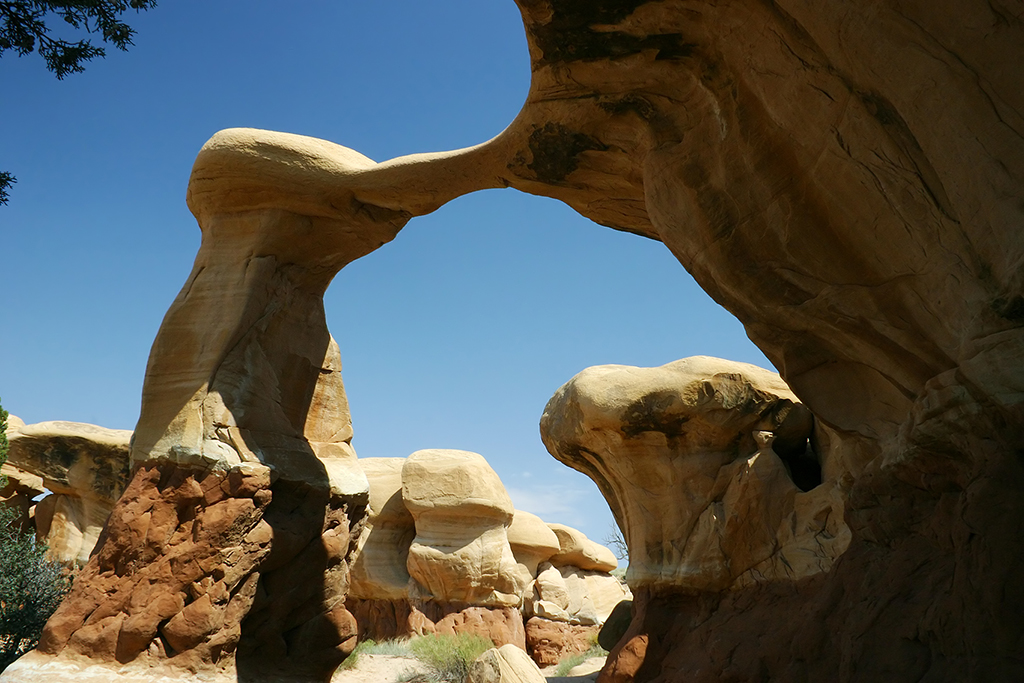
{"x":681,"y":452}
{"x":575,"y":596}
{"x":461,"y":552}
{"x":505,"y":664}
{"x":576,"y":550}
{"x":21,"y":488}
{"x":243,"y":401}
{"x":379,"y":565}
{"x":446,"y":517}
{"x":532,"y":542}
{"x":549,"y":642}
{"x":86,"y":469}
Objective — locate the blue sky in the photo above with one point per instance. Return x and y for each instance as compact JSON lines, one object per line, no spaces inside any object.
{"x":455,"y":335}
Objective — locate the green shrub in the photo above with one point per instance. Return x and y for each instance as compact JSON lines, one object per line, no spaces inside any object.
{"x":447,"y":658}
{"x":393,"y":648}
{"x":569,"y":663}
{"x":31,"y":588}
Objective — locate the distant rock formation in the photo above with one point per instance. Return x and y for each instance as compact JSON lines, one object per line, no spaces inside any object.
{"x":85,"y":469}
{"x":461,"y":551}
{"x":443,"y":551}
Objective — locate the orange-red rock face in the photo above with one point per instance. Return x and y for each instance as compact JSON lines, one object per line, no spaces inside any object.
{"x":208,"y":572}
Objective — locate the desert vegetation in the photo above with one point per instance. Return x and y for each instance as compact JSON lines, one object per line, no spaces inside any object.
{"x":31,"y":585}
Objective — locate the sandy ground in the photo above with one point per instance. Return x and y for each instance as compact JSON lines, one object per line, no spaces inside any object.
{"x":388,"y":669}
{"x":377,"y":669}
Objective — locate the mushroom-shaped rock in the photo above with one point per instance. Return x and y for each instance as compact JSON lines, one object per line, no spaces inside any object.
{"x":532,"y":542}
{"x":687,"y":455}
{"x":378,"y":569}
{"x":86,"y":469}
{"x":576,"y":550}
{"x":461,"y":551}
{"x":505,"y":664}
{"x":576,"y":596}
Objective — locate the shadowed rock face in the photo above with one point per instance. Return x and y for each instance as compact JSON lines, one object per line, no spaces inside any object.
{"x":846,"y":178}
{"x":847,"y":181}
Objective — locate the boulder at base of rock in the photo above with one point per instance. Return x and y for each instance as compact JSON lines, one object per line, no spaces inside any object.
{"x":461,"y":552}
{"x":505,"y":664}
{"x":549,"y":642}
{"x":615,"y":625}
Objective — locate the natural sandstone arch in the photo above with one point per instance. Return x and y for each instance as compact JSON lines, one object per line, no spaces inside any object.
{"x":845,"y":178}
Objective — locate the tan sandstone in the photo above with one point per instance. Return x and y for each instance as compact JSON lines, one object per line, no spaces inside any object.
{"x":702,"y":502}
{"x":532,"y":542}
{"x":86,"y":469}
{"x":461,"y":551}
{"x":576,"y":550}
{"x":505,"y":664}
{"x":378,"y":569}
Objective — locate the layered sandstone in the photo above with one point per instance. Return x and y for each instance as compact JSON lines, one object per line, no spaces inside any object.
{"x":379,"y":567}
{"x":443,"y":551}
{"x":246,"y":495}
{"x":85,"y":468}
{"x":532,"y":542}
{"x":690,"y":456}
{"x":461,"y":551}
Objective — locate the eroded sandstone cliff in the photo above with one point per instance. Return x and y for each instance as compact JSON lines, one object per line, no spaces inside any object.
{"x":846,"y":178}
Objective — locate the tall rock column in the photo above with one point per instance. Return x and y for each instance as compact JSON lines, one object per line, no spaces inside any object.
{"x":228,"y":552}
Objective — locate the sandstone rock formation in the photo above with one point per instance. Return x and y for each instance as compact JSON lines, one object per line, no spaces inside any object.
{"x":532,"y":542}
{"x":846,"y":178}
{"x":85,"y":467}
{"x":575,"y":596}
{"x":552,"y":641}
{"x":246,"y":493}
{"x":378,"y":569}
{"x":576,"y":550}
{"x":461,"y":551}
{"x":20,"y":492}
{"x":442,"y":551}
{"x":682,"y":452}
{"x":505,"y":664}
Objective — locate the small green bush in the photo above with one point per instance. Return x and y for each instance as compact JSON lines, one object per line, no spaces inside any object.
{"x":395,"y":648}
{"x":569,"y":663}
{"x":31,"y":588}
{"x":447,"y":657}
